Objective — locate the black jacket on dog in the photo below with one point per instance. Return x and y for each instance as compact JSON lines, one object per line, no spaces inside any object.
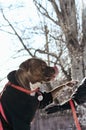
{"x":19,"y":107}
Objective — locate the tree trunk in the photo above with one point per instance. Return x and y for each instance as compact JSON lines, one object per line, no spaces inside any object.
{"x":82,"y":109}
{"x":84,"y":37}
{"x":77,"y":50}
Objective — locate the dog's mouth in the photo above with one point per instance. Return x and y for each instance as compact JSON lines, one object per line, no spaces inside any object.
{"x":50,"y":73}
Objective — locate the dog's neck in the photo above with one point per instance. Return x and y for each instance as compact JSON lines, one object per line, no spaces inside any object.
{"x":35,"y":85}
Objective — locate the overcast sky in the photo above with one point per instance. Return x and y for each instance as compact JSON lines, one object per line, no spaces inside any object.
{"x":28,"y":10}
{"x":6,"y":41}
{"x":20,"y":14}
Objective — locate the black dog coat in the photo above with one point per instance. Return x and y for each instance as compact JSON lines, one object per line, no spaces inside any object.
{"x":19,"y":107}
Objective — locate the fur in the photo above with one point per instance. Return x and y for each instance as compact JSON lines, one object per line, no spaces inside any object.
{"x":20,"y":107}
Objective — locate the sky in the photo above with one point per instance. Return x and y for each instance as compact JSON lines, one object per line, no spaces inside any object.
{"x":6,"y":48}
{"x":8,"y":43}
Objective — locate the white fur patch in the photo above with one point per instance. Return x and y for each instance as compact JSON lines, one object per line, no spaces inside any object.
{"x":34,"y":86}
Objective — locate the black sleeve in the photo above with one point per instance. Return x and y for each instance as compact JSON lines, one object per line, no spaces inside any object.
{"x":56,"y":108}
{"x":80,"y":95}
{"x":47,"y":99}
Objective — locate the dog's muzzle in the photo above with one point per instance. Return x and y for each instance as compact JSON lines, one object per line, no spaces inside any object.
{"x":50,"y":72}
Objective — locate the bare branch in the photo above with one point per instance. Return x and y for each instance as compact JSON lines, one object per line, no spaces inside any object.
{"x":44,"y":12}
{"x":45,"y":52}
{"x":7,"y":31}
{"x":20,"y":39}
{"x":55,"y":6}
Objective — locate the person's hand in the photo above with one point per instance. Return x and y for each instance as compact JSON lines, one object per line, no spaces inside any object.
{"x":56,"y":108}
{"x":53,"y":109}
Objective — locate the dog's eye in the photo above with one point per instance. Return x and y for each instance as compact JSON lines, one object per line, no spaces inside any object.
{"x":43,"y":66}
{"x":43,"y":69}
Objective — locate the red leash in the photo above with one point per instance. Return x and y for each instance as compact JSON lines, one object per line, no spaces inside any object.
{"x":74,"y":115}
{"x":22,"y":89}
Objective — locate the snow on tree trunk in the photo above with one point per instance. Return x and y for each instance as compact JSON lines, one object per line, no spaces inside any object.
{"x":84,"y":36}
{"x":82,"y":109}
{"x":77,"y":65}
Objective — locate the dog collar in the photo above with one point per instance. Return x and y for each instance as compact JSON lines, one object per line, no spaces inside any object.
{"x":22,"y":89}
{"x":31,"y":92}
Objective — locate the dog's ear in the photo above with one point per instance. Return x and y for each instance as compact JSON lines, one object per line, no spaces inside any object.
{"x":29,"y":71}
{"x":23,"y":78}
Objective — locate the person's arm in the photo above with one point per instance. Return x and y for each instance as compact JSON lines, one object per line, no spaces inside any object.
{"x":57,"y":108}
{"x":48,"y":97}
{"x":78,"y":98}
{"x":55,"y":91}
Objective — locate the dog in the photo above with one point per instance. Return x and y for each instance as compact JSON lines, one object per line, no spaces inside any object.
{"x":19,"y":102}
{"x":78,"y":98}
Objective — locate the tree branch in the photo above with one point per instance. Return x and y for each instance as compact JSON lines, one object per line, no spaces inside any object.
{"x":44,"y":12}
{"x":20,"y":39}
{"x":55,"y":6}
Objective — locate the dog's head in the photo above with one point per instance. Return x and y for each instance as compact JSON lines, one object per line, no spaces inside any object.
{"x":35,"y":70}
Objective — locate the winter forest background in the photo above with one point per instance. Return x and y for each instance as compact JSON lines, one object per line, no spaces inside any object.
{"x":54,"y":30}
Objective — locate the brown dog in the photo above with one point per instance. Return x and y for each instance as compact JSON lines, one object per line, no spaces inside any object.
{"x":18,"y":102}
